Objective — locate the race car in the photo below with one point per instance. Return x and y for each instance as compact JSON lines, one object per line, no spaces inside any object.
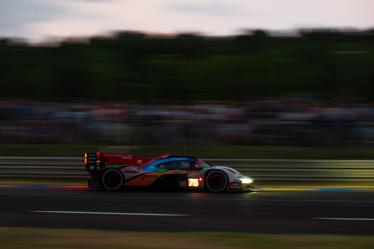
{"x":116,"y":171}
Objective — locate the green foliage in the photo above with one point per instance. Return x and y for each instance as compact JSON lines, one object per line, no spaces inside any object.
{"x":133,"y":66}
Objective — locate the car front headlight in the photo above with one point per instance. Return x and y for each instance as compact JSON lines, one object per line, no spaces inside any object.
{"x":246,"y":180}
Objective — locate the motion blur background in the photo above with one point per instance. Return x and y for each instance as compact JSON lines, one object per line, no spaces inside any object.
{"x":67,"y":77}
{"x":311,"y":88}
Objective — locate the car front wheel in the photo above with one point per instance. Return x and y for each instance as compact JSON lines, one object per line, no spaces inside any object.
{"x":216,"y":181}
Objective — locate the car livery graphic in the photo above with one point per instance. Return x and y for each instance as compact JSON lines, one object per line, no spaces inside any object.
{"x":115,"y":171}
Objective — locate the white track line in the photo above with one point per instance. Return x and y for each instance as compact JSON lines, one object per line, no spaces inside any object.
{"x":346,"y":219}
{"x":108,"y":213}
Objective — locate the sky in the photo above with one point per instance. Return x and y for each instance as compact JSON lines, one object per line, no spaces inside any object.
{"x":39,"y":20}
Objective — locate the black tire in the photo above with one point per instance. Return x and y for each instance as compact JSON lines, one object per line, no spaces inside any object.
{"x":216,"y":181}
{"x":112,"y":180}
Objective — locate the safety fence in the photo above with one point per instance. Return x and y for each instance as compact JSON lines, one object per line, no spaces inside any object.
{"x":260,"y":169}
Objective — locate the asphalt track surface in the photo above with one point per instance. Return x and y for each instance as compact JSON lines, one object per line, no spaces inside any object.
{"x":352,"y":212}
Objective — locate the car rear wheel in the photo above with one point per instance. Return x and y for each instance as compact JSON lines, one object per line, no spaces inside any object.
{"x":216,"y":181}
{"x":112,"y":180}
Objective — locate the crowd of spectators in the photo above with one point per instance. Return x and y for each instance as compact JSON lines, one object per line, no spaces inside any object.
{"x":262,"y":122}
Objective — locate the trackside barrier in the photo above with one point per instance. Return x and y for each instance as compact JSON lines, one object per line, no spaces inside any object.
{"x":260,"y":169}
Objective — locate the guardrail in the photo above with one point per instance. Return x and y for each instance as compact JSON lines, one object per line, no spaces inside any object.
{"x":260,"y":169}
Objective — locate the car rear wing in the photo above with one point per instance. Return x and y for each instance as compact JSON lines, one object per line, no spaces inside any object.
{"x":93,"y":162}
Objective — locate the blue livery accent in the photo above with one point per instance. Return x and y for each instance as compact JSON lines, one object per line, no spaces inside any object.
{"x":152,"y":166}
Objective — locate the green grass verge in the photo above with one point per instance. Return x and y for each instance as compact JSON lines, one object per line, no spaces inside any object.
{"x":209,"y":151}
{"x":35,"y":238}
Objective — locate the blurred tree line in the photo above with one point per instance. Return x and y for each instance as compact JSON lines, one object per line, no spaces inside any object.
{"x":130,"y":66}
